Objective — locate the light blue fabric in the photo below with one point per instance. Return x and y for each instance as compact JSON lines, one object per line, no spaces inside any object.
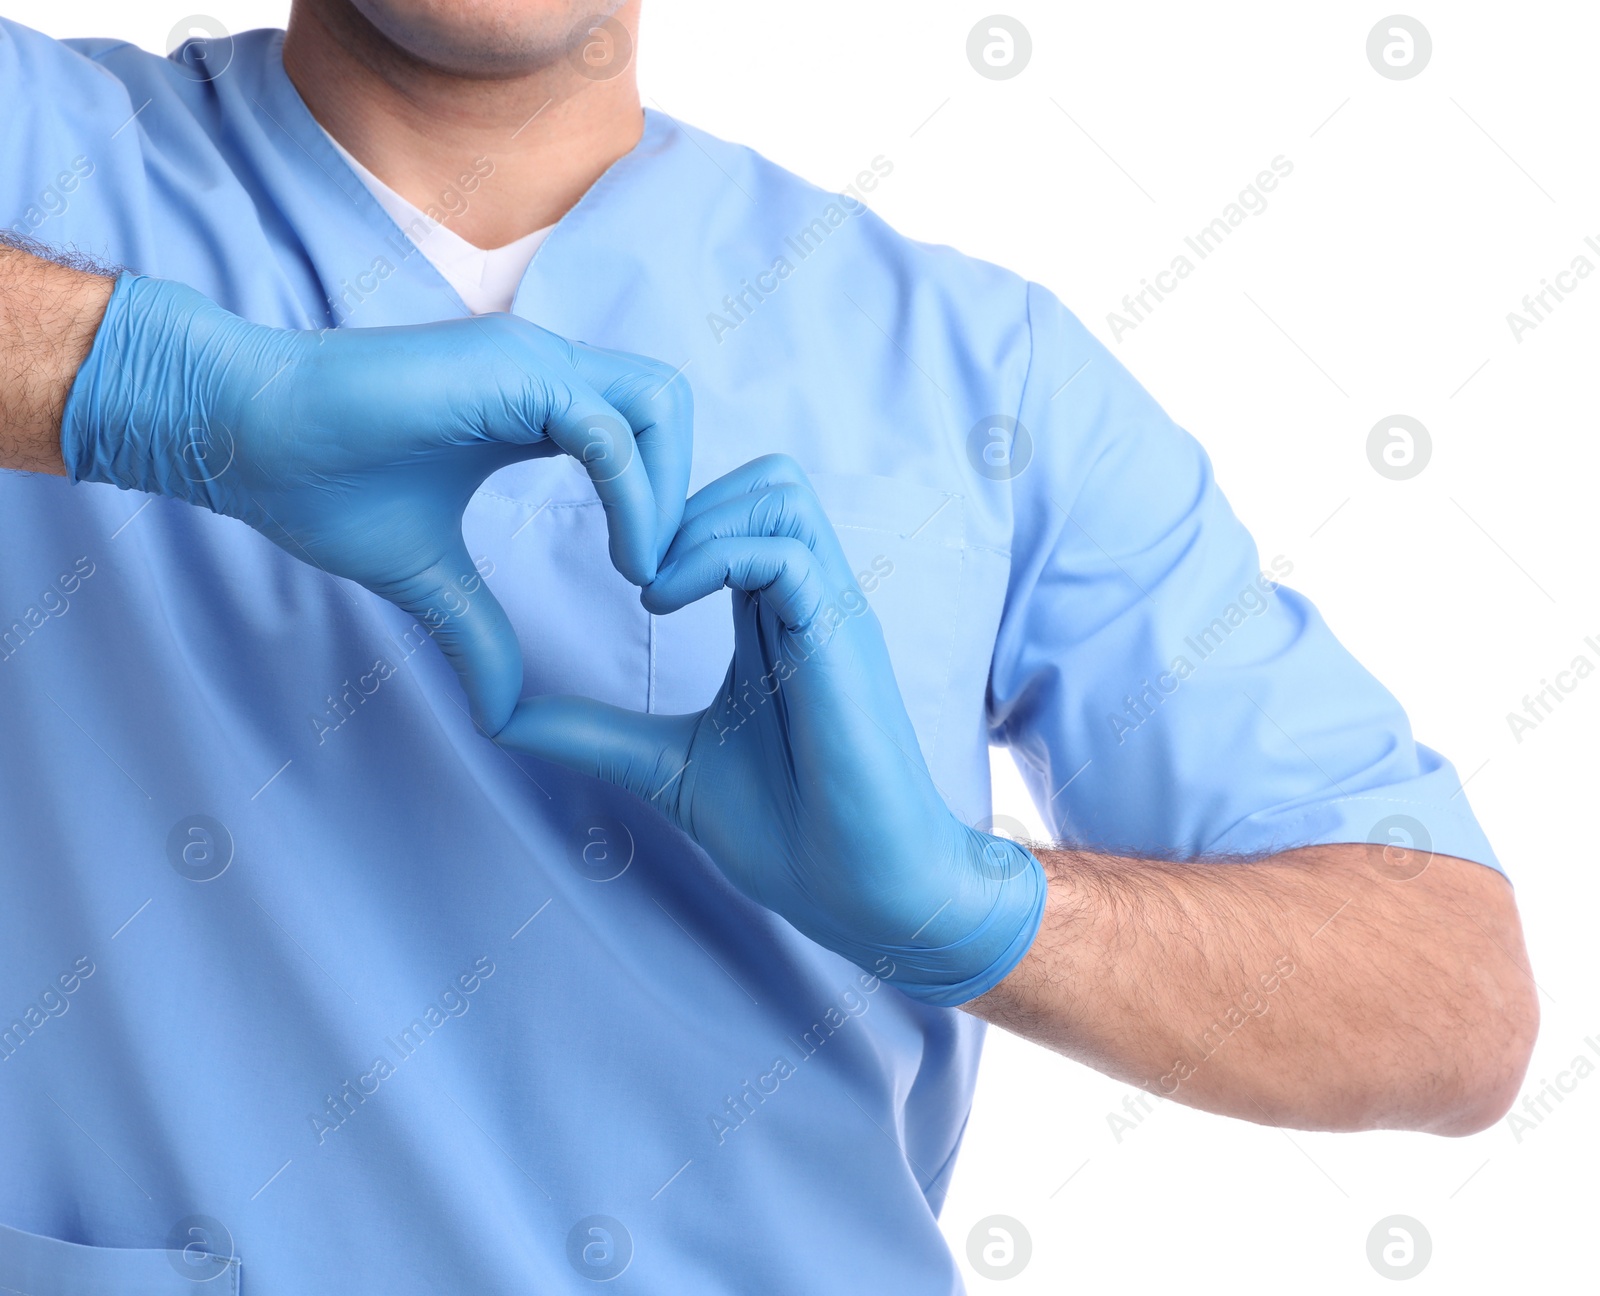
{"x":539,"y":1003}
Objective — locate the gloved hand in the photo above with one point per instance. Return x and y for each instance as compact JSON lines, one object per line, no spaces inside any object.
{"x":804,"y":781}
{"x":357,"y":450}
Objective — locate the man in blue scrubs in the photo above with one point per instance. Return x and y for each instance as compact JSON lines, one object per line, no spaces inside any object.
{"x":372,"y":925}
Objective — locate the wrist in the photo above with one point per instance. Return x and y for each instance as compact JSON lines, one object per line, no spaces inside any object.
{"x":48,"y":316}
{"x":153,"y":405}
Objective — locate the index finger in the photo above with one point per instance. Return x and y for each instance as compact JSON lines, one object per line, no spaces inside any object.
{"x":658,"y":405}
{"x":554,"y":401}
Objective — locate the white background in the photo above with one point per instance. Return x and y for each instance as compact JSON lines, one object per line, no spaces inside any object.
{"x":1377,"y":282}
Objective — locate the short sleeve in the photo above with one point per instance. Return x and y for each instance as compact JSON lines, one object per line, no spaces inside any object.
{"x":1163,"y":694}
{"x":65,"y":123}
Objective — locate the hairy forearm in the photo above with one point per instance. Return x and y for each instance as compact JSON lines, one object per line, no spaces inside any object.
{"x":1320,"y":988}
{"x":48,"y":316}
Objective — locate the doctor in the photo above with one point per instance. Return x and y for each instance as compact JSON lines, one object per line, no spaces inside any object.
{"x":408,"y":895}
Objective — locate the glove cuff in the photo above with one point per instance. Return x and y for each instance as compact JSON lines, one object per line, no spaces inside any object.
{"x":942,"y":977}
{"x":140,"y":414}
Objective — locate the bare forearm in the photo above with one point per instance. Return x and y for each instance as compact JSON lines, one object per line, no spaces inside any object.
{"x":1314,"y":989}
{"x":48,"y":317}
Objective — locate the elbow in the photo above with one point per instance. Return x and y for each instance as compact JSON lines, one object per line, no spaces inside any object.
{"x":1489,"y":1080}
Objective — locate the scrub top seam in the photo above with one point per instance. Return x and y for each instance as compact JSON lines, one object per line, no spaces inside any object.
{"x":650,"y":683}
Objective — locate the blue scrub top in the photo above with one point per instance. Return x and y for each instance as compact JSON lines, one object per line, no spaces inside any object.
{"x":452,"y":1021}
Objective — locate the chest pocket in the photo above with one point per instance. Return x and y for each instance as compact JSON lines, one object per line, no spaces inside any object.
{"x":907,"y":545}
{"x":45,"y":1266}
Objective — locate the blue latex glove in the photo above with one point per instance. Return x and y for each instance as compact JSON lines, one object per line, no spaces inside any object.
{"x":357,"y":450}
{"x":804,"y":781}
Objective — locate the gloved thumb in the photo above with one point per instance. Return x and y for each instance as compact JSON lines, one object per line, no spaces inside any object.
{"x":647,"y":755}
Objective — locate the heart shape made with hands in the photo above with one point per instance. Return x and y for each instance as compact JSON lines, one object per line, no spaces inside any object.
{"x":803,"y":780}
{"x":358,"y":450}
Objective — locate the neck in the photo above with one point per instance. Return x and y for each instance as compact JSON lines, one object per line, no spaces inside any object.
{"x":494,"y":158}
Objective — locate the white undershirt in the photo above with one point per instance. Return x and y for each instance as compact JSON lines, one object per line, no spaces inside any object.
{"x":485,"y":278}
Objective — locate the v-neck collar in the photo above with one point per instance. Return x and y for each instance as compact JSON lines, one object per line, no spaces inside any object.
{"x":371,"y":272}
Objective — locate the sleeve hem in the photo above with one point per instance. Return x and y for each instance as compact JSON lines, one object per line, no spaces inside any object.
{"x":1355,"y":819}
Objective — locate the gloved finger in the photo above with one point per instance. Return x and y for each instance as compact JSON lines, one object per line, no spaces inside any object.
{"x":786,"y":573}
{"x":601,"y":440}
{"x":454,"y":605}
{"x":759,"y":474}
{"x":789,"y":510}
{"x":644,"y":754}
{"x":659,"y":406}
{"x":554,"y":401}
